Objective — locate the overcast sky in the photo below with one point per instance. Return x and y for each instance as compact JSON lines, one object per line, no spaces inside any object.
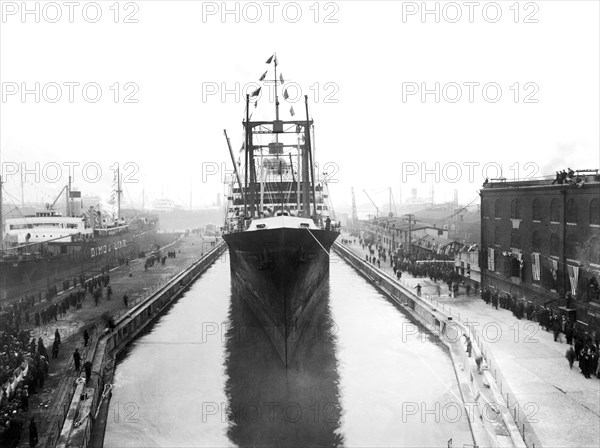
{"x":363,"y":65}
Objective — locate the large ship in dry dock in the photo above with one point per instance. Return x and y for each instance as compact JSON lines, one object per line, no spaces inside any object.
{"x":278,"y":226}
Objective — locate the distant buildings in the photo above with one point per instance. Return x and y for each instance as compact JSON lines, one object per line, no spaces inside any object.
{"x":541,"y":239}
{"x":438,"y":231}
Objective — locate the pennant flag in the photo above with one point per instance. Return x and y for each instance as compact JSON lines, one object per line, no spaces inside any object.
{"x":270,"y":59}
{"x":292,"y":111}
{"x":262,"y":78}
{"x":255,"y":104}
{"x":285,"y":95}
{"x":281,"y":78}
{"x":255,"y":93}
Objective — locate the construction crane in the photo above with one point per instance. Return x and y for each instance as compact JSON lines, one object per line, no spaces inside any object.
{"x":373,"y":202}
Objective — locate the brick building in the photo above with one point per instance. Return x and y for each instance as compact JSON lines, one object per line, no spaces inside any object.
{"x":540,"y":240}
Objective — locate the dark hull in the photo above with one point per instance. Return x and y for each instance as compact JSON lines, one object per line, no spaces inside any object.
{"x":280,"y":274}
{"x":65,"y":261}
{"x":272,"y":405}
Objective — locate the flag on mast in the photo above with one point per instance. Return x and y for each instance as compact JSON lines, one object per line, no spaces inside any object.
{"x":262,"y":78}
{"x":292,"y":113}
{"x":281,"y":78}
{"x":255,"y":93}
{"x":285,"y":95}
{"x":271,"y":59}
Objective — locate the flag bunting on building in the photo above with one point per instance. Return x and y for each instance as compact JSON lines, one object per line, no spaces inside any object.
{"x":573,"y":277}
{"x":554,"y":269}
{"x":491,"y":265}
{"x":535,"y":266}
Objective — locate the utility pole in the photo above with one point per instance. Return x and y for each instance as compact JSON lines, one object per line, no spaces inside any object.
{"x":410,"y":223}
{"x":354,"y":212}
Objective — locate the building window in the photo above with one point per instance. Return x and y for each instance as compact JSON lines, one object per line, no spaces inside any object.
{"x":593,"y":289}
{"x":515,"y":209}
{"x":497,"y":208}
{"x":536,"y":242}
{"x":554,"y":245}
{"x":555,"y":210}
{"x":595,"y":211}
{"x":497,"y":236}
{"x":595,"y":251}
{"x":515,"y":239}
{"x":571,"y":211}
{"x":572,"y":247}
{"x":537,"y":210}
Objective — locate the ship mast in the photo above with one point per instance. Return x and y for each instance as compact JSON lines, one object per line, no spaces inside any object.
{"x":118,"y":195}
{"x":276,"y":96}
{"x":68,"y":197}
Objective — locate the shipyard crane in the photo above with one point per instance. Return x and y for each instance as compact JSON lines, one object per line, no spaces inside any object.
{"x":372,"y":202}
{"x":65,"y":188}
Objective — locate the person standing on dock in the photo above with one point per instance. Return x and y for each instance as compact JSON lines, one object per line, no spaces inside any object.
{"x":86,"y":337}
{"x":57,"y":336}
{"x":33,"y":433}
{"x":77,"y":359}
{"x":55,"y":349}
{"x":570,"y":355}
{"x":88,"y":370}
{"x":125,"y":300}
{"x":418,"y":288}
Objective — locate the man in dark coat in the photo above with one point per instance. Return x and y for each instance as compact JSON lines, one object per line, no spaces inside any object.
{"x":88,"y":370}
{"x":33,"y":433}
{"x":55,"y":349}
{"x":556,"y":328}
{"x":77,"y":359}
{"x":570,"y":355}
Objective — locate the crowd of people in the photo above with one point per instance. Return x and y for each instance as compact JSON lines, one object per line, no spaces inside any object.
{"x":583,"y":346}
{"x":435,"y":270}
{"x":570,"y":177}
{"x":28,"y":358}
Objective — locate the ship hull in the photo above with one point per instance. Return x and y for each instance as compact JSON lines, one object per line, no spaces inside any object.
{"x":66,"y":260}
{"x":280,"y":274}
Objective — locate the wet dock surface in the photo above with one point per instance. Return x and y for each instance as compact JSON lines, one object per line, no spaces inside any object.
{"x":206,"y":375}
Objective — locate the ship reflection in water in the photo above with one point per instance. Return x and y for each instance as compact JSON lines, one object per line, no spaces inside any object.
{"x":270,"y":405}
{"x":207,"y":375}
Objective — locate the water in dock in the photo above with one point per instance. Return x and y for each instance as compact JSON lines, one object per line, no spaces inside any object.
{"x":206,"y":375}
